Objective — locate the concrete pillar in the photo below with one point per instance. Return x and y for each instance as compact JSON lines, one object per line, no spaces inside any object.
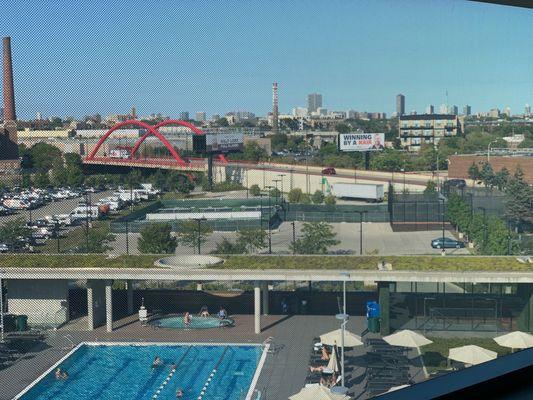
{"x":90,"y":306}
{"x":257,"y":308}
{"x":384,"y":304}
{"x":525,"y":318}
{"x":265,"y":298}
{"x":109,"y":305}
{"x":129,"y":289}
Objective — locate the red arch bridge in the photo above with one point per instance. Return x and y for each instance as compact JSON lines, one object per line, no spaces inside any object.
{"x":134,"y":159}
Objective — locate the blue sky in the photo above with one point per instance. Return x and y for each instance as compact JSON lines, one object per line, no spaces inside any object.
{"x":77,"y":58}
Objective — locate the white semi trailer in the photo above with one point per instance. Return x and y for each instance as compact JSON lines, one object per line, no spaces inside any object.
{"x":364,"y":191}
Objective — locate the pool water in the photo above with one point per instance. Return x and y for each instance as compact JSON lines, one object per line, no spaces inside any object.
{"x":176,"y":322}
{"x":124,"y":372}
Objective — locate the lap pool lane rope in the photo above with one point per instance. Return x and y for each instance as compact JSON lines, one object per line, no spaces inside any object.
{"x":212,"y":375}
{"x":170,"y":375}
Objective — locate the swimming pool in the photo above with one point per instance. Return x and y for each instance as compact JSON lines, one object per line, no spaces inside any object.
{"x":124,"y":371}
{"x":176,"y":322}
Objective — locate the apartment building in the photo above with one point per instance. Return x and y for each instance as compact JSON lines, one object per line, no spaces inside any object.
{"x":416,"y":130}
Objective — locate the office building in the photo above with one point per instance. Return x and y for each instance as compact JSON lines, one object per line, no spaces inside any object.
{"x":314,"y":102}
{"x":299,"y":112}
{"x":430,"y":109}
{"x":507,"y":111}
{"x":184,"y":115}
{"x":400,"y":104}
{"x":467,"y":110}
{"x":494,"y":113}
{"x":200,"y":116}
{"x":416,"y":130}
{"x":527,"y":110}
{"x":443,"y":109}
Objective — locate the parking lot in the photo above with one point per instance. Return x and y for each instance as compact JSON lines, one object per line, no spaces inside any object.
{"x":378,"y":238}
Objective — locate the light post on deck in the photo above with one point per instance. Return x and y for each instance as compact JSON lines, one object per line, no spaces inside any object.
{"x":1,"y":307}
{"x":269,"y":188}
{"x":344,"y":318}
{"x":199,"y":221}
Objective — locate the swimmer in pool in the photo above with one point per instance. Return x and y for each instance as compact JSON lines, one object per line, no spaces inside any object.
{"x":58,"y":373}
{"x":157,"y":362}
{"x":179,"y":394}
{"x":187,"y":319}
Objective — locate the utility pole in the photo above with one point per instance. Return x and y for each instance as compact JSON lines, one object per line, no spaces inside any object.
{"x":199,"y":221}
{"x":293,"y":223}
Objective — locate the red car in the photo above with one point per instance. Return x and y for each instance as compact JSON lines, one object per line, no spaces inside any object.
{"x":329,"y":171}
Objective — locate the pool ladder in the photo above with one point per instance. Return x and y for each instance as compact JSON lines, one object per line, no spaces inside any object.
{"x":170,"y":375}
{"x":212,"y":375}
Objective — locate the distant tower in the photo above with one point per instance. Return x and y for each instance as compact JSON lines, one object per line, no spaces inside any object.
{"x":9,"y":91}
{"x":400,"y":104}
{"x":133,"y":113}
{"x":275,"y":109}
{"x":8,"y":132}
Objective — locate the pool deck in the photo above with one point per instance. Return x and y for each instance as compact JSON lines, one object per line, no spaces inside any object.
{"x":283,"y":374}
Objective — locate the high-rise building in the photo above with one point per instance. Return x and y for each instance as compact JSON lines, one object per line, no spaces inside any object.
{"x":443,"y":109}
{"x":454,"y":110}
{"x":527,"y":110}
{"x":400,"y":104}
{"x":38,"y":116}
{"x":275,"y":108}
{"x":200,"y":116}
{"x":467,"y":110}
{"x":507,"y":111}
{"x":494,"y":113}
{"x":430,"y":109}
{"x":299,"y":112}
{"x":184,"y":115}
{"x":8,"y":131}
{"x":133,"y":114}
{"x":314,"y":102}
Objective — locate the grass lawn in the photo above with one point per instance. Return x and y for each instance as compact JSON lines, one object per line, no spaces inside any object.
{"x":407,"y":263}
{"x":435,"y":354}
{"x":76,"y":261}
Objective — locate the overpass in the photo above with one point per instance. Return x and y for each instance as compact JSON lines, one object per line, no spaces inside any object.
{"x":306,"y":177}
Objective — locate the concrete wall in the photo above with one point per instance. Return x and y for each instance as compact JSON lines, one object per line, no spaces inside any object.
{"x":45,"y":302}
{"x":96,"y":294}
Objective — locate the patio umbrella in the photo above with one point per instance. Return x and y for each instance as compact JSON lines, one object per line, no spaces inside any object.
{"x":515,"y":340}
{"x":333,"y":363}
{"x":407,"y":338}
{"x":471,"y":354}
{"x":335,"y":338}
{"x":317,"y":392}
{"x":394,"y":388}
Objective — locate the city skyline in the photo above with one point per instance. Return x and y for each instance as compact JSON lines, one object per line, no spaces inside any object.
{"x":100,"y":66}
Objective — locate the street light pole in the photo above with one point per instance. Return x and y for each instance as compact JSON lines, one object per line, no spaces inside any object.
{"x":360,"y":230}
{"x":443,"y":247}
{"x":1,"y":307}
{"x":269,"y":217}
{"x":293,"y":223}
{"x":488,"y":149}
{"x":127,"y":238}
{"x":199,"y":221}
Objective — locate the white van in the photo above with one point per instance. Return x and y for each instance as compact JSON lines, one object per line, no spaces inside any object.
{"x":84,"y":212}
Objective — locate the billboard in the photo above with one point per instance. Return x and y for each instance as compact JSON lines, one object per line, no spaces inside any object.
{"x":218,"y":142}
{"x":361,"y":141}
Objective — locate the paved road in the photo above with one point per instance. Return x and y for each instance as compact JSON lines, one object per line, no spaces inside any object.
{"x":376,"y":236}
{"x":58,"y":207}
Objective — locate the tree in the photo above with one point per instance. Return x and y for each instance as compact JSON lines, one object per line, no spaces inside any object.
{"x":98,"y":241}
{"x":157,"y":239}
{"x":278,"y":141}
{"x":487,"y":175}
{"x":43,"y":155}
{"x":295,"y":195}
{"x":251,"y":239}
{"x":188,"y":233}
{"x":501,"y":178}
{"x":41,"y":180}
{"x":253,"y":152}
{"x":317,"y":197}
{"x":274,"y":192}
{"x":227,"y":247}
{"x":59,"y":173}
{"x":519,"y":206}
{"x":330,"y":200}
{"x":13,"y":231}
{"x":431,"y":189}
{"x":255,"y":190}
{"x":317,"y":238}
{"x":222,"y":122}
{"x":473,"y":172}
{"x":26,"y":180}
{"x":343,"y":128}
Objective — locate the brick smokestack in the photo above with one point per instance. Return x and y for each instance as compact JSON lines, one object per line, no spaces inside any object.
{"x":9,"y":90}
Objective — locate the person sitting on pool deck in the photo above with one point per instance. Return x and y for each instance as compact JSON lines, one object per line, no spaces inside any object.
{"x":204,"y":312}
{"x":157,"y":362}
{"x":222,"y":314}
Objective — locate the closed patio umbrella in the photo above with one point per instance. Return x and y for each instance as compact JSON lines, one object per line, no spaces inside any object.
{"x":335,"y":337}
{"x":407,"y":338}
{"x":515,"y":340}
{"x":471,"y":354}
{"x":333,"y":363}
{"x":317,"y":392}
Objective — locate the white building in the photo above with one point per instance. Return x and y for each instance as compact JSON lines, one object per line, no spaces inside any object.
{"x":299,"y":112}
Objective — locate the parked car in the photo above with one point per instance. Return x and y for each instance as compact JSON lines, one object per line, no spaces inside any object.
{"x":4,"y":248}
{"x":449,"y":243}
{"x":329,"y":171}
{"x":458,"y":183}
